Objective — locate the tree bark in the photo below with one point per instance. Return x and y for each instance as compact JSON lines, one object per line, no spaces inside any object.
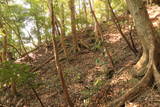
{"x":145,"y":30}
{"x":4,"y":43}
{"x":55,"y":50}
{"x":97,"y":25}
{"x":73,"y":24}
{"x":85,"y":11}
{"x":151,"y":52}
{"x":107,"y":11}
{"x":63,"y":31}
{"x":4,"y":57}
{"x":99,"y":34}
{"x":116,"y":22}
{"x":38,"y":34}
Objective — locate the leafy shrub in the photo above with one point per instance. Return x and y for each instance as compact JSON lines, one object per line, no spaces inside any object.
{"x":12,"y":72}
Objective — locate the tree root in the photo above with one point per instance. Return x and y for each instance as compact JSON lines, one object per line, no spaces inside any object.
{"x":137,"y":89}
{"x":140,"y":67}
{"x":141,"y":72}
{"x":151,"y":75}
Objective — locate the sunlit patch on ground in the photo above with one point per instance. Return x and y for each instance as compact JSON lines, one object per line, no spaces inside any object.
{"x":124,"y":77}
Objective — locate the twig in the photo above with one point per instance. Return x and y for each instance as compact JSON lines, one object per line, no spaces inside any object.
{"x":116,"y":22}
{"x":132,"y":42}
{"x":36,"y":94}
{"x":41,"y":65}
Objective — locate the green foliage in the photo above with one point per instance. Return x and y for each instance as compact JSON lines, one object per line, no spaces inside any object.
{"x":119,"y":5}
{"x":100,"y":62}
{"x":99,"y":82}
{"x":18,"y":73}
{"x":97,"y":46}
{"x":81,"y":20}
{"x":133,"y":81}
{"x":33,"y":16}
{"x":97,"y":61}
{"x":73,"y":74}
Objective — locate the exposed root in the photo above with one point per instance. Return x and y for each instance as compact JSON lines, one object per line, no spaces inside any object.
{"x":156,"y":77}
{"x":140,"y":67}
{"x":151,"y":75}
{"x":132,"y":93}
{"x":141,"y":72}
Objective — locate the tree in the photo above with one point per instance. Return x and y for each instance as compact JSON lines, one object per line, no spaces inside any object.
{"x":107,"y":10}
{"x":85,"y":11}
{"x":55,"y":50}
{"x":97,"y":25}
{"x":99,"y":34}
{"x":116,"y":22}
{"x":38,"y":19}
{"x":149,"y":61}
{"x":73,"y":24}
{"x":13,"y":17}
{"x":4,"y":52}
{"x":63,"y":33}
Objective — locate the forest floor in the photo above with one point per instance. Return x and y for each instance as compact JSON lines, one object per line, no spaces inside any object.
{"x":90,"y":78}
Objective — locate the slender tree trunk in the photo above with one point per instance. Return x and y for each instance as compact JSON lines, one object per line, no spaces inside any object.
{"x":63,"y":21}
{"x":107,"y":11}
{"x":22,"y":44}
{"x":4,"y":47}
{"x":85,"y":11}
{"x":39,"y":36}
{"x":31,"y":38}
{"x":9,"y":45}
{"x":59,"y":69}
{"x":1,"y":59}
{"x":19,"y":35}
{"x":80,"y":14}
{"x":96,"y":21}
{"x":73,"y":24}
{"x":116,"y":22}
{"x":63,"y":33}
{"x":38,"y":31}
{"x":99,"y":33}
{"x":62,"y":38}
{"x":4,"y":43}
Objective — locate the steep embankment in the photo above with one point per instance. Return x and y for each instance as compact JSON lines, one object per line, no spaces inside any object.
{"x":90,"y":78}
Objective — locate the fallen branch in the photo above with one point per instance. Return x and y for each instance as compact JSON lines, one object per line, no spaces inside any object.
{"x":41,"y":65}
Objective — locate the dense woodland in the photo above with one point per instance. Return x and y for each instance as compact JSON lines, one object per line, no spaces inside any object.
{"x":79,"y":53}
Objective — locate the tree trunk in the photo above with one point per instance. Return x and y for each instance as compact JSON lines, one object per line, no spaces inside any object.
{"x":63,"y":21}
{"x":38,"y":34}
{"x":107,"y":11}
{"x":62,"y":34}
{"x":97,"y":25}
{"x":85,"y":11}
{"x":4,"y":57}
{"x":145,"y":30}
{"x":116,"y":22}
{"x":4,"y":43}
{"x":151,"y":53}
{"x":73,"y":24}
{"x":99,"y":34}
{"x":1,"y":59}
{"x":55,"y":50}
